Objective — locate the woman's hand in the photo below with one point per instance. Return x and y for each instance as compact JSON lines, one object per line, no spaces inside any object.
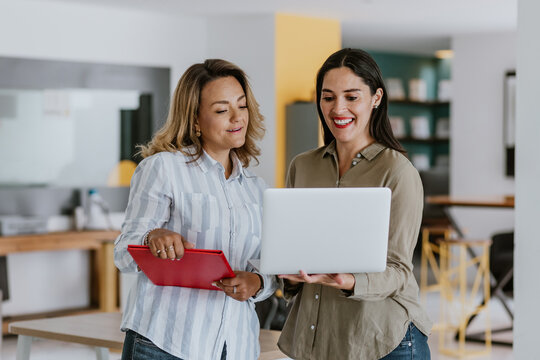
{"x":338,"y":281}
{"x":167,"y":244}
{"x":241,"y":287}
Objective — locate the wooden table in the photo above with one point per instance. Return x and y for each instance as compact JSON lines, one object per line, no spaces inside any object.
{"x":501,"y":202}
{"x":104,"y":275}
{"x":497,"y":201}
{"x":447,"y":201}
{"x":102,"y":331}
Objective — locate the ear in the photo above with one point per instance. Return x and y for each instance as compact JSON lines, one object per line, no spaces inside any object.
{"x":377,"y":97}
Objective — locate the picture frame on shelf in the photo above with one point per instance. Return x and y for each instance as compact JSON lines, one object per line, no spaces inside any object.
{"x":398,"y":126}
{"x":420,"y":127}
{"x":417,"y":90}
{"x":442,"y":129}
{"x":420,"y":161}
{"x":395,"y":89}
{"x":444,"y":90}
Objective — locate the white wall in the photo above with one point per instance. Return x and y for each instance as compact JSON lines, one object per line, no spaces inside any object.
{"x":74,"y":32}
{"x":477,"y":149}
{"x":249,"y":42}
{"x":527,"y":247}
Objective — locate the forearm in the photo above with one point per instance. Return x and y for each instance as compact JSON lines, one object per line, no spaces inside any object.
{"x":378,"y":286}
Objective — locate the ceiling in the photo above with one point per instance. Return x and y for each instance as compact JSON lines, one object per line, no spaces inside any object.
{"x":413,"y":26}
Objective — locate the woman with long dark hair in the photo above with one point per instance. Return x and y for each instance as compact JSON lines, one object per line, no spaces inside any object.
{"x":365,"y":315}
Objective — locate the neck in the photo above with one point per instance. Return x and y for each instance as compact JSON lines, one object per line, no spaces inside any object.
{"x":224,"y":158}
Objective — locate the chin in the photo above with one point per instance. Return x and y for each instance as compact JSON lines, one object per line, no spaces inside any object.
{"x":238,"y":145}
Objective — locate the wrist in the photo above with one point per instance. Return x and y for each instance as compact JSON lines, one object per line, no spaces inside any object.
{"x":146,"y":236}
{"x":261,"y":285}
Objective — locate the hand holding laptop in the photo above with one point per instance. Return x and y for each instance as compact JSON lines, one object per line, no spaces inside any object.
{"x":339,"y":281}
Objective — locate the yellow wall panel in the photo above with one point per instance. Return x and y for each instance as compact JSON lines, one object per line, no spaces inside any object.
{"x":302,"y":45}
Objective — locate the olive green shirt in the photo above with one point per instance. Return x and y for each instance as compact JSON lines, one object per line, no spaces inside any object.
{"x":369,"y":322}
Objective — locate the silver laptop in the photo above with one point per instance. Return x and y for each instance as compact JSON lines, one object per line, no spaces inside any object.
{"x":324,"y":230}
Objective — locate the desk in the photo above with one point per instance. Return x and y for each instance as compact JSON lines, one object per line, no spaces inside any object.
{"x":102,"y":331}
{"x":104,"y":275}
{"x":501,"y":202}
{"x":446,"y":202}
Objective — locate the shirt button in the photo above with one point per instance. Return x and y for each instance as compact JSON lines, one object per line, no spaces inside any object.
{"x":410,"y":343}
{"x":312,"y":327}
{"x":316,"y":296}
{"x":354,"y":162}
{"x":359,"y":155}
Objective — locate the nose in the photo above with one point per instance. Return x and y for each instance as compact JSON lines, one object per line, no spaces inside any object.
{"x":339,"y":106}
{"x":236,"y":115}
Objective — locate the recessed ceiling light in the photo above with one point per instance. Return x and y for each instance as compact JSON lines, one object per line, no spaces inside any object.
{"x":444,"y":54}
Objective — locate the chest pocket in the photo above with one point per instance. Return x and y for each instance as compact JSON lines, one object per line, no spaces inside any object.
{"x":254,"y":217}
{"x":200,"y":212}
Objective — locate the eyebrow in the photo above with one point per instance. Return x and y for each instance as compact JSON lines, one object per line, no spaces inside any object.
{"x":225,"y":102}
{"x":348,"y":90}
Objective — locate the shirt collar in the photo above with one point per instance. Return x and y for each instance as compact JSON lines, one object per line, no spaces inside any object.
{"x":206,"y":162}
{"x":369,"y":152}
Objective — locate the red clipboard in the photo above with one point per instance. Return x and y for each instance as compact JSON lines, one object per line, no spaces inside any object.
{"x":198,"y":268}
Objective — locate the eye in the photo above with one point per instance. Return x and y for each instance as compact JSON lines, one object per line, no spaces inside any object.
{"x":221,"y":111}
{"x":351,"y":98}
{"x":327,"y":98}
{"x":244,"y":107}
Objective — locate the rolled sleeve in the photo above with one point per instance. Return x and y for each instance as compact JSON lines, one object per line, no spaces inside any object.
{"x":270,"y":285}
{"x":148,"y":208}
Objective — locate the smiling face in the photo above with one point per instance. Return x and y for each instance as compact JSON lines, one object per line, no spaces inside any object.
{"x":347,"y":103}
{"x":223,"y":117}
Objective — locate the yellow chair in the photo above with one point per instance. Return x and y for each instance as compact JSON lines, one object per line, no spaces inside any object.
{"x":459,"y":303}
{"x":429,"y":262}
{"x":122,"y":173}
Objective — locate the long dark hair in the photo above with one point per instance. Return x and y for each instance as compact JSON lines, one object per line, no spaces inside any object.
{"x":363,"y":65}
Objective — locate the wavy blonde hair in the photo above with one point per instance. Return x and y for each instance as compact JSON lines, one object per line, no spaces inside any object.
{"x":178,"y":132}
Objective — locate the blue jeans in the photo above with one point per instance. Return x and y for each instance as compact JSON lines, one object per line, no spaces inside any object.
{"x":137,"y":347}
{"x":414,"y":346}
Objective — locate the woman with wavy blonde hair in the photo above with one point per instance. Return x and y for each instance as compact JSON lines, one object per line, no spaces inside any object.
{"x":179,"y":130}
{"x":192,"y":189}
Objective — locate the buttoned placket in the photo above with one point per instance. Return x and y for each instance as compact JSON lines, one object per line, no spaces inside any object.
{"x":225,"y":185}
{"x":314,"y":316}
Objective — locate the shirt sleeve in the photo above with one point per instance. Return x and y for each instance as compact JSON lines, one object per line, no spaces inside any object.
{"x":405,"y":217}
{"x":270,"y":285}
{"x":148,"y":208}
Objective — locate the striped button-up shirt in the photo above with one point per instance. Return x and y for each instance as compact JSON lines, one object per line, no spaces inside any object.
{"x":195,"y":200}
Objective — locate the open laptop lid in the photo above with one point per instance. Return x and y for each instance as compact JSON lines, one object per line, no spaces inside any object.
{"x":324,"y":230}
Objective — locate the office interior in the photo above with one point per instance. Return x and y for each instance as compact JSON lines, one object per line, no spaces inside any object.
{"x":123,"y":49}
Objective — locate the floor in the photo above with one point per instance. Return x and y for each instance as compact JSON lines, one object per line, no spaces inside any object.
{"x":47,"y":350}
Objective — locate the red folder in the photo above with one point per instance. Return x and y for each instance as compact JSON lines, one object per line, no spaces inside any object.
{"x":198,"y":268}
